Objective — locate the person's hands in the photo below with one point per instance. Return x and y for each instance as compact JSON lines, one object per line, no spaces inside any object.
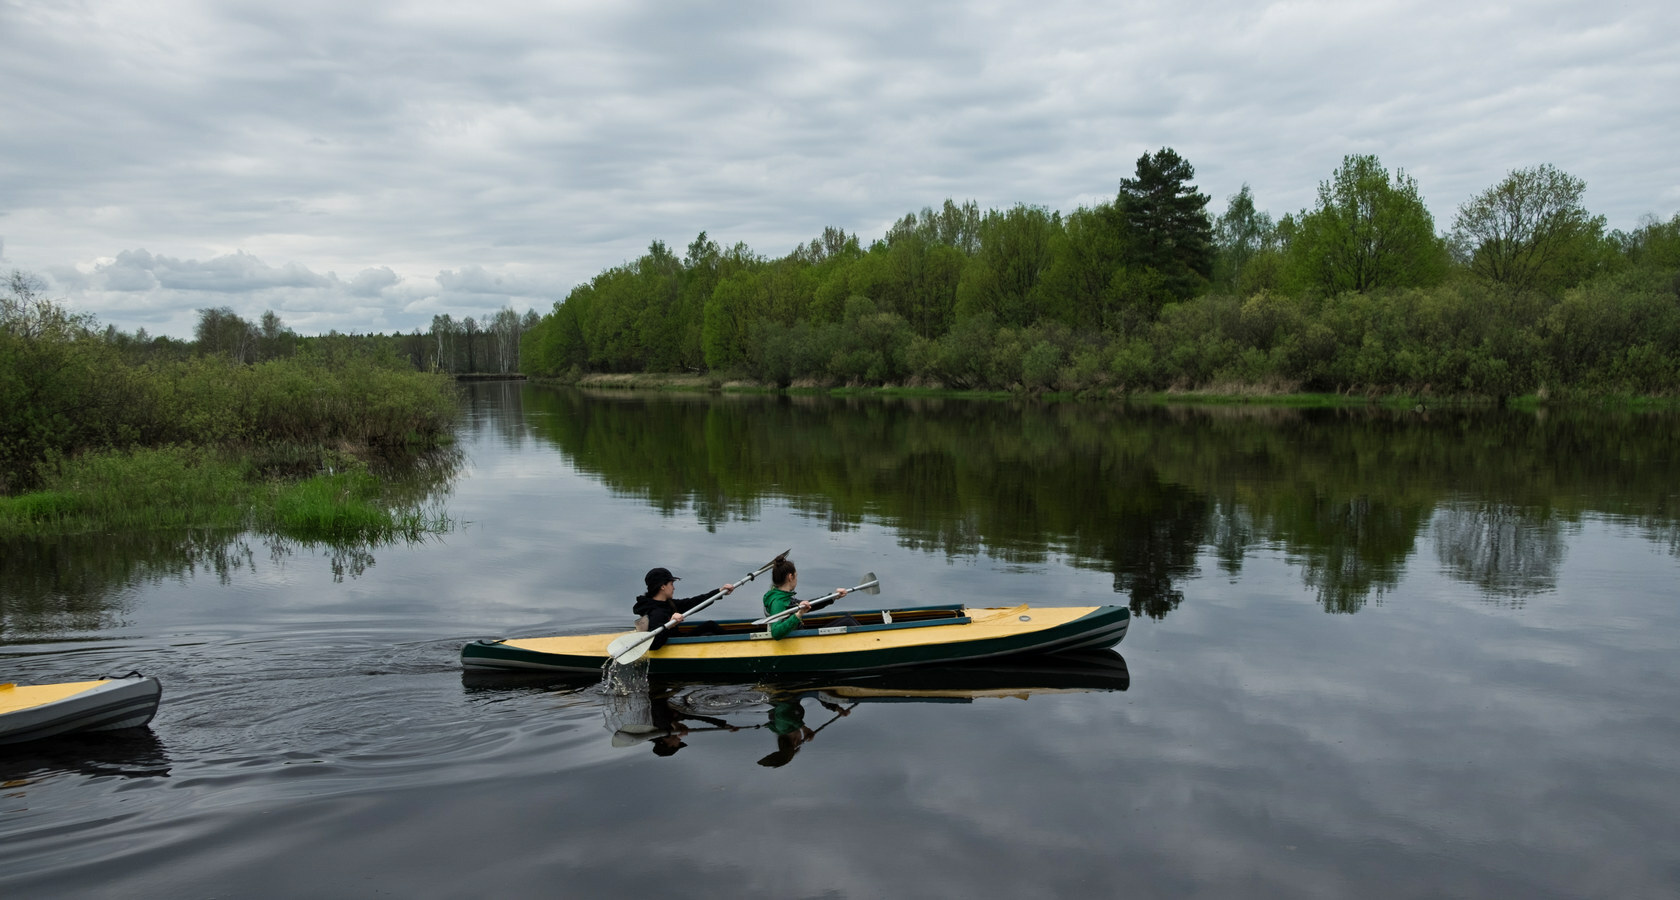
{"x":676,"y":617}
{"x":842,"y":591}
{"x":728,"y":588}
{"x":804,"y":607}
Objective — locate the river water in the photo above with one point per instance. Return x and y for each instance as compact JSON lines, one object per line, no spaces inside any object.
{"x":1373,"y":653}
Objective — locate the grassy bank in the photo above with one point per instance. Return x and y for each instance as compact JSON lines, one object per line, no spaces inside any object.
{"x":182,"y":488}
{"x":96,"y":440}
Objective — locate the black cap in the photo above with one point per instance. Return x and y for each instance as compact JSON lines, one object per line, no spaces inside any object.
{"x":658,"y":578}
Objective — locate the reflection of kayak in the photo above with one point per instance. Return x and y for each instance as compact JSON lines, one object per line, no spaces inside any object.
{"x":882,"y":639}
{"x":1081,"y":671}
{"x":29,"y":712}
{"x":130,"y":753}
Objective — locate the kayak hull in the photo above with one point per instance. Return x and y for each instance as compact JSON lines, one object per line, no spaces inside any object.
{"x":883,"y":639}
{"x":33,"y":712}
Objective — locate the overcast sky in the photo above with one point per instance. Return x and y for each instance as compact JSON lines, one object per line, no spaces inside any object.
{"x":365,"y":166}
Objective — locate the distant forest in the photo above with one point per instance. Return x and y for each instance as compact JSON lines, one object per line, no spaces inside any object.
{"x":450,"y":346}
{"x":1525,"y":292}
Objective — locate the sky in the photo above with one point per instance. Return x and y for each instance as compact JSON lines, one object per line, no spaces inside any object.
{"x":366,"y":166}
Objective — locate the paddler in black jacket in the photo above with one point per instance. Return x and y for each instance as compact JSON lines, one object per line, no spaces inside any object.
{"x":659,"y":607}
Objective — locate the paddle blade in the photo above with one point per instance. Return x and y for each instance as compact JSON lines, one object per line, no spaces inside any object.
{"x":627,"y":648}
{"x":873,"y":582}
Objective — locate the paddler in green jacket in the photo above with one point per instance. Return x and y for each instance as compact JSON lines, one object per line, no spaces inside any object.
{"x":780,"y":598}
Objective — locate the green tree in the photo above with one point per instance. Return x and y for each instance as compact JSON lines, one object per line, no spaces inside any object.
{"x":1240,"y":235}
{"x":1368,"y":231}
{"x":1003,"y":277}
{"x":274,"y":339}
{"x":443,"y":339}
{"x":1087,"y":254}
{"x":1528,"y":231}
{"x":222,"y":331}
{"x":1167,"y":223}
{"x":1654,"y":244}
{"x":736,"y":303}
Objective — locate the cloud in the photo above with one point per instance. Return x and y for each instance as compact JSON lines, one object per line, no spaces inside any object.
{"x":546,"y":143}
{"x":139,"y":289}
{"x":370,"y":282}
{"x":237,"y":273}
{"x":476,"y":279}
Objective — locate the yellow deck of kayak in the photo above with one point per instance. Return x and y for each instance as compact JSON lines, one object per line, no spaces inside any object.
{"x":14,"y":697}
{"x":986,"y":623}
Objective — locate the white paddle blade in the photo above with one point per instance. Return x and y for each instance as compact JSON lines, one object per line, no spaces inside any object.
{"x":872,"y":584}
{"x":627,"y":648}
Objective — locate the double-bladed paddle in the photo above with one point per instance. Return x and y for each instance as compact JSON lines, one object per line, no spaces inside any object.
{"x":871,"y":585}
{"x":627,"y":648}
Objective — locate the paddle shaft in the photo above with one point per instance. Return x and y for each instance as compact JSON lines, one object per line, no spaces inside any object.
{"x":816,"y":604}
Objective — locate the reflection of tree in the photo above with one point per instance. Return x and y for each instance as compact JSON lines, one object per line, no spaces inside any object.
{"x":1502,"y":549}
{"x":497,"y":405}
{"x":1152,"y":542}
{"x":1230,"y":533}
{"x":77,"y":583}
{"x":1136,"y":492}
{"x":1357,"y":548}
{"x":80,"y":582}
{"x":1661,"y":523}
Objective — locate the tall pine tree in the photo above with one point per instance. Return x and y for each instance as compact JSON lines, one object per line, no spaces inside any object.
{"x":1167,"y":224}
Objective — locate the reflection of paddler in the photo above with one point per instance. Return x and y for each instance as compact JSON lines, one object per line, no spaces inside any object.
{"x":668,"y":719}
{"x":787,"y":720}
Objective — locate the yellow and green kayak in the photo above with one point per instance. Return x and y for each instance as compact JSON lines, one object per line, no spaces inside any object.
{"x":881,"y":639}
{"x":31,"y":712}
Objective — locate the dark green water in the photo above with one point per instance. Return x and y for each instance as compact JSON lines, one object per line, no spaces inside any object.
{"x":1375,"y":653}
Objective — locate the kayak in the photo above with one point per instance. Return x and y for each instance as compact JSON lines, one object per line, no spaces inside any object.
{"x":30,"y":712}
{"x":881,"y":639}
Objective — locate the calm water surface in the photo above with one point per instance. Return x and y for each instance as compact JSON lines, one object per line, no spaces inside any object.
{"x":1372,"y":654}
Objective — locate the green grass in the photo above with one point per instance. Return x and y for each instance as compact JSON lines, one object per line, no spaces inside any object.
{"x":346,"y":506}
{"x":185,"y":487}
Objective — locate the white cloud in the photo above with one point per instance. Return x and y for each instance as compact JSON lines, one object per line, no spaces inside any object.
{"x":372,"y":282}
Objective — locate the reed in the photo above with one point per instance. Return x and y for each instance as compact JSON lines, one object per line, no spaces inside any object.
{"x":184,"y":487}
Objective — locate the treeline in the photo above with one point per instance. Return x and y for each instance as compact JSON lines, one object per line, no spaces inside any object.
{"x":451,"y":345}
{"x":98,"y":426}
{"x":1525,"y":292}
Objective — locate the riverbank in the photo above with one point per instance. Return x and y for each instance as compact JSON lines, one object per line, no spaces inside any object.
{"x":1223,"y":395}
{"x":312,"y":447}
{"x":186,"y":488}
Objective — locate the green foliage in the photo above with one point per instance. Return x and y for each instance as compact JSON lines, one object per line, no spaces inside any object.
{"x":1357,"y":296}
{"x":1367,"y":232}
{"x":184,"y":487}
{"x":66,"y":392}
{"x":1529,"y":230}
{"x":172,"y":487}
{"x":1003,"y":279}
{"x":1166,"y":220}
{"x":1240,"y":237}
{"x":345,"y":506}
{"x":1088,"y":254}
